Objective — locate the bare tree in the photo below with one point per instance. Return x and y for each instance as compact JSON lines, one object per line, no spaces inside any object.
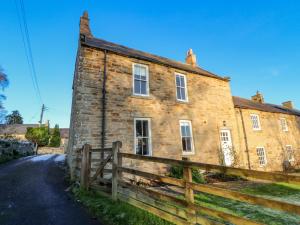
{"x":3,"y":84}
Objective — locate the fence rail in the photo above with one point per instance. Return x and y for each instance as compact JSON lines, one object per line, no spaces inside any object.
{"x":181,"y":209}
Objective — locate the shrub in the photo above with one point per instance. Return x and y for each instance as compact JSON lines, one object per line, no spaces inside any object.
{"x":55,"y":137}
{"x":38,"y":135}
{"x":177,"y":172}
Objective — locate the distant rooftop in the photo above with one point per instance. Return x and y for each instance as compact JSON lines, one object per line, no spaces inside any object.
{"x":266,"y":107}
{"x":15,"y":128}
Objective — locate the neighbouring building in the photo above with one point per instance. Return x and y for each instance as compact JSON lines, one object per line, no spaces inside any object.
{"x":155,"y":106}
{"x":269,"y":134}
{"x":14,"y":131}
{"x":64,"y":136}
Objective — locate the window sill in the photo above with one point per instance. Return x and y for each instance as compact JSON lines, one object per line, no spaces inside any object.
{"x":188,"y":153}
{"x":182,"y":102}
{"x":142,"y":96}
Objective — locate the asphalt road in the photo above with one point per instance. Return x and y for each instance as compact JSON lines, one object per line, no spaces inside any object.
{"x":33,"y":192}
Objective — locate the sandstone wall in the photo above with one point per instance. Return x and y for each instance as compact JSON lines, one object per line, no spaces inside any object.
{"x":271,"y":137}
{"x":85,"y":123}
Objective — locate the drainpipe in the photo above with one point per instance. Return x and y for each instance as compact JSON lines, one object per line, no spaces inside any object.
{"x":245,"y":139}
{"x":103,"y":133}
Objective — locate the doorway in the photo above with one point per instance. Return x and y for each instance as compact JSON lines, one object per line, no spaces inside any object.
{"x":226,"y":145}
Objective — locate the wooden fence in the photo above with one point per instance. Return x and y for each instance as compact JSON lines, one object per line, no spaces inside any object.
{"x":171,"y":207}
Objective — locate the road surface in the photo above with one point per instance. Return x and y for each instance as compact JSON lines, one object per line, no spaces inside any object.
{"x":32,"y":192}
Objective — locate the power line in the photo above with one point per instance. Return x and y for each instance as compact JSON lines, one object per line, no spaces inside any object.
{"x":27,"y":46}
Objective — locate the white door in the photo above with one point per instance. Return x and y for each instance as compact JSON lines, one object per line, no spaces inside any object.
{"x":226,"y":145}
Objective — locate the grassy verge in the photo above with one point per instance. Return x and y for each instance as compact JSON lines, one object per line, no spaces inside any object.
{"x":282,"y":192}
{"x":116,"y":213}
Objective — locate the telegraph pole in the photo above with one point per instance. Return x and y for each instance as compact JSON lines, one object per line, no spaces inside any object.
{"x":42,"y":114}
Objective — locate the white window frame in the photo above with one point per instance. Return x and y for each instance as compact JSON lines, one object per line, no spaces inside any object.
{"x":285,"y":126}
{"x":258,"y":121}
{"x":289,"y":148}
{"x":192,"y":152}
{"x":258,"y":156}
{"x":185,"y":88}
{"x":149,"y":131}
{"x":147,"y":80}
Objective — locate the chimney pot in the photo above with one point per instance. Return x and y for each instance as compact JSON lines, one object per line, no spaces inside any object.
{"x":191,"y":58}
{"x":258,"y":97}
{"x":288,"y":104}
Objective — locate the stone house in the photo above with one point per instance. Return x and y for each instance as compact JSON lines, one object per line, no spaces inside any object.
{"x":14,"y":131}
{"x":154,"y":105}
{"x":269,"y":134}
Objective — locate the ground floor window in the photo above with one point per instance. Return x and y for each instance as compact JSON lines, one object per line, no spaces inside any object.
{"x":289,"y":153}
{"x":186,"y":137}
{"x":142,"y":136}
{"x":262,"y":159}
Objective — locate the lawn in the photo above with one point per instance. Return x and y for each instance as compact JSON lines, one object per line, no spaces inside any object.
{"x":116,"y":213}
{"x":282,"y":192}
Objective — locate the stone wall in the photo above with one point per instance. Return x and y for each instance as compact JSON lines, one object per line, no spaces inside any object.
{"x":210,"y":109}
{"x":10,"y":149}
{"x":86,"y":116}
{"x":50,"y":150}
{"x":271,"y":137}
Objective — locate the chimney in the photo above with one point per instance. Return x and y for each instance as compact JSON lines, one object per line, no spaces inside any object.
{"x":191,"y":58}
{"x":84,"y":25}
{"x":288,"y":104}
{"x":258,"y":97}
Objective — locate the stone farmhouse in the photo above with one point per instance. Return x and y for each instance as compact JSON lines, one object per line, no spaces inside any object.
{"x":164,"y":108}
{"x":14,"y":131}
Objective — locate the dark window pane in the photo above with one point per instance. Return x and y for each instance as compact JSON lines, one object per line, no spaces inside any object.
{"x":138,"y":128}
{"x":188,"y":131}
{"x":182,"y":84}
{"x":139,"y":149}
{"x":145,"y":146}
{"x":182,"y":93}
{"x":143,"y":87}
{"x":137,"y":86}
{"x":178,"y":93}
{"x":177,"y":81}
{"x":137,"y":77}
{"x":144,"y":78}
{"x":183,"y":144}
{"x":145,"y":128}
{"x":183,"y":132}
{"x":188,"y":144}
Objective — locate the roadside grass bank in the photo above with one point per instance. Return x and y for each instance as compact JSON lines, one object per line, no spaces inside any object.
{"x":115,"y":213}
{"x":279,"y":191}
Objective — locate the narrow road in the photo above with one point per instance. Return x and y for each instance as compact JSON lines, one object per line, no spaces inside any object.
{"x":32,"y":192}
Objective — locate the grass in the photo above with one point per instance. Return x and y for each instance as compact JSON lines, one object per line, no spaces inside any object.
{"x":283,"y":192}
{"x":116,"y":213}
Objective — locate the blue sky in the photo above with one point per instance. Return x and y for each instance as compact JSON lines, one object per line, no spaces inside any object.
{"x":256,"y":43}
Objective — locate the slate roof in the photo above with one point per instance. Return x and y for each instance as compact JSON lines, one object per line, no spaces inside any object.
{"x":266,"y":107}
{"x":129,"y":52}
{"x":15,"y":128}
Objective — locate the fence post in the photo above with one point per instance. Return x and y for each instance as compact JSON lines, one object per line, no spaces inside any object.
{"x":115,"y":150}
{"x":85,"y":167}
{"x":189,"y":193}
